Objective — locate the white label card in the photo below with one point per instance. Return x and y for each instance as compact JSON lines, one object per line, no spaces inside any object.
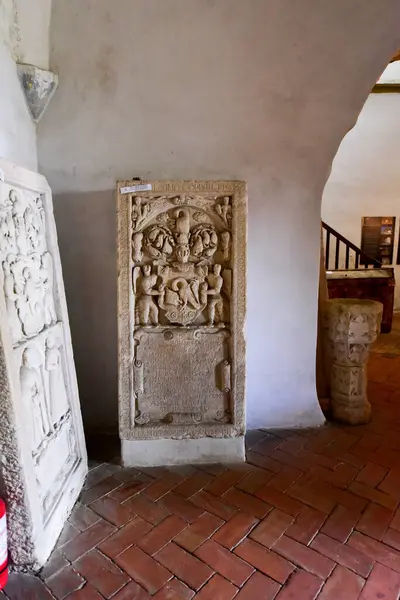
{"x":143,"y":187}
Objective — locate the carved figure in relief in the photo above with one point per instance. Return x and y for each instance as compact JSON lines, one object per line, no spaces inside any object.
{"x":18,"y":210}
{"x":33,"y":396}
{"x":225,"y":245}
{"x":140,"y":213}
{"x":224,"y":210}
{"x":32,"y":227}
{"x":137,"y":253}
{"x":215,"y":302}
{"x":57,"y":390}
{"x":30,"y":302}
{"x":7,"y":229}
{"x":40,"y":207}
{"x":11,"y":299}
{"x":147,"y":310}
{"x":28,"y":222}
{"x":49,"y":310}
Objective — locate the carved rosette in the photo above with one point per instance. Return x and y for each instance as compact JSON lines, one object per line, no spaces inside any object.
{"x":351,"y":326}
{"x":182,"y":313}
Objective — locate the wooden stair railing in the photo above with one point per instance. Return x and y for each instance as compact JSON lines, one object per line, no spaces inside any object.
{"x":360,"y":256}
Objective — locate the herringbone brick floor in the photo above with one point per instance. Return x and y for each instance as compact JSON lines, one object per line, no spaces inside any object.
{"x":312,"y":514}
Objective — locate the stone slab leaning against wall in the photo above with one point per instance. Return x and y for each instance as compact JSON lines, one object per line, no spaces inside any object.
{"x":42,"y":445}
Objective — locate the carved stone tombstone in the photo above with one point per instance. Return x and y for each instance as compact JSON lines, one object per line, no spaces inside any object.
{"x":43,"y":455}
{"x":182,"y":296}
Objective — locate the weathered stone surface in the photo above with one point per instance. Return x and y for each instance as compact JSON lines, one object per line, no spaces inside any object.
{"x":351,"y":326}
{"x":39,"y":86}
{"x":182,"y":267}
{"x":43,"y":455}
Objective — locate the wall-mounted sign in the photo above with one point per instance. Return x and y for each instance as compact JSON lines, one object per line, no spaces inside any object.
{"x":377,"y":238}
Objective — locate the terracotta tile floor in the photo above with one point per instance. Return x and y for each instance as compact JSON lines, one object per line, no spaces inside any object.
{"x":312,"y":514}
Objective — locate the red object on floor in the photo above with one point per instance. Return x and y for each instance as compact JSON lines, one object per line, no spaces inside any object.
{"x":3,"y":546}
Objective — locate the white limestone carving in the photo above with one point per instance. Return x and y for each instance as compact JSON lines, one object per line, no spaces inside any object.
{"x":46,"y":473}
{"x":181,"y":317}
{"x":59,"y":405}
{"x":33,"y":396}
{"x":350,"y":328}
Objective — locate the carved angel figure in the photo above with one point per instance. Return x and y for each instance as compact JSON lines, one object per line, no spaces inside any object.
{"x":139,"y":213}
{"x":58,"y":393}
{"x":33,"y":396}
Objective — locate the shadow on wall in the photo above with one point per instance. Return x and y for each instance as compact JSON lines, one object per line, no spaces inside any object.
{"x":86,"y":226}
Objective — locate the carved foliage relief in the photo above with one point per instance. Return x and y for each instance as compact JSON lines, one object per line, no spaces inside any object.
{"x":27,"y":279}
{"x":181,"y":301}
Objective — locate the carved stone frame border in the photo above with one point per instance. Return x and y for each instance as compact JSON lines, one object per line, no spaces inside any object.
{"x":238,"y":191}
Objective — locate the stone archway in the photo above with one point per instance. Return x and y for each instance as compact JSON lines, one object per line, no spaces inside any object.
{"x":322,"y":361}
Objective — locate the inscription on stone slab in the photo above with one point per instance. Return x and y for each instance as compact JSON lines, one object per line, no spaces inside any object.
{"x":182,"y":308}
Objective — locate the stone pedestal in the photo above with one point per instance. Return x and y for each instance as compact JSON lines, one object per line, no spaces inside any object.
{"x":351,"y":326}
{"x":42,"y":446}
{"x":182,"y":268}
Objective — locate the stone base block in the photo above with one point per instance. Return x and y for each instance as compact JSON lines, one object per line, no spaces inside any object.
{"x":157,"y":453}
{"x":351,"y":413}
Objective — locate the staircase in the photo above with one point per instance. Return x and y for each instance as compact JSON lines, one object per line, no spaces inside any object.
{"x":351,"y":273}
{"x":340,"y":253}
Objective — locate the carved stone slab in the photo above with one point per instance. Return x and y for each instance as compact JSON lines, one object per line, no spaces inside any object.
{"x":182,"y":271}
{"x":43,"y":455}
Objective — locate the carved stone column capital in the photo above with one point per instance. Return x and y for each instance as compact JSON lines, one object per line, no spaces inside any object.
{"x":39,"y":86}
{"x":351,"y":325}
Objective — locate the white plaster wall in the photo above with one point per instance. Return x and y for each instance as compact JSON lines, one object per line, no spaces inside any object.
{"x":255,"y":90}
{"x":24,"y":36}
{"x":365,"y":177}
{"x":17,"y":132}
{"x":34,"y":31}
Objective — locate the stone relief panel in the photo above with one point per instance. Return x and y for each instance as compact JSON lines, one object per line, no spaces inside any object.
{"x":26,"y":265}
{"x":49,"y":425}
{"x":44,"y":402}
{"x":27,"y":275}
{"x":182,"y":302}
